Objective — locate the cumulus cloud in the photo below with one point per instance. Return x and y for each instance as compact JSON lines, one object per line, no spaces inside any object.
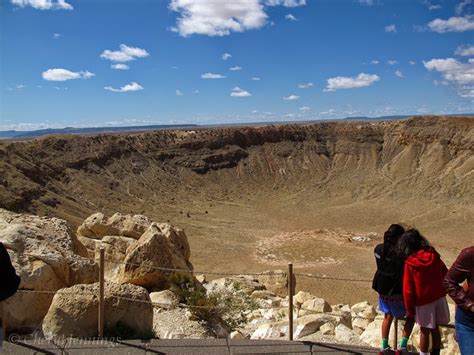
{"x":256,"y":78}
{"x":217,"y":18}
{"x":291,"y":17}
{"x":453,"y":24}
{"x":226,"y":56}
{"x":374,"y":62}
{"x":236,"y":68}
{"x":44,"y":4}
{"x":133,"y":86}
{"x":434,"y":7}
{"x":212,"y":76}
{"x":465,"y":51}
{"x":57,"y":35}
{"x":291,"y":97}
{"x":392,"y":62}
{"x":305,"y":85}
{"x":342,"y":82}
{"x":59,"y":74}
{"x":399,"y":74}
{"x":222,"y":17}
{"x":304,"y":108}
{"x":459,"y":74}
{"x":124,"y":54}
{"x":120,"y":66}
{"x":238,"y":92}
{"x":412,"y":62}
{"x":178,"y":93}
{"x":391,"y":29}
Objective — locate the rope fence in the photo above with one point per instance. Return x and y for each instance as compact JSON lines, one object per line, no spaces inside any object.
{"x":291,"y":277}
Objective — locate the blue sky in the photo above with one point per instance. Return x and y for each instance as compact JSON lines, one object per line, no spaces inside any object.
{"x":134,"y":62}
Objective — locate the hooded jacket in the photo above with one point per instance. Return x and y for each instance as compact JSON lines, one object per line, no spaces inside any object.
{"x":423,"y":279}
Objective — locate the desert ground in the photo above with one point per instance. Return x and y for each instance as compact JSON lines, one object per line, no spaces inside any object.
{"x":253,"y":199}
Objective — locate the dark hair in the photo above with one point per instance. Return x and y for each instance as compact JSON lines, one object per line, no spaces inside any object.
{"x":410,"y":242}
{"x":390,"y":239}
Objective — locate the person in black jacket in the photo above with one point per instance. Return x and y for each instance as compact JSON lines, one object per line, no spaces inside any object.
{"x":388,"y":281}
{"x":9,"y":280}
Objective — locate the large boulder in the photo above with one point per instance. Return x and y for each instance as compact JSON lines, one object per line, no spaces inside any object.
{"x":137,"y":250}
{"x":149,"y":260}
{"x":74,"y":312}
{"x":47,"y":256}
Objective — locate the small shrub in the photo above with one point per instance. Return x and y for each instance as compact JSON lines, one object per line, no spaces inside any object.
{"x":229,"y":307}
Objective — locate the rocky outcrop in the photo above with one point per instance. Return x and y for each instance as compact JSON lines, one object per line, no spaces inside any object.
{"x":74,"y":310}
{"x":47,"y":256}
{"x":137,"y":250}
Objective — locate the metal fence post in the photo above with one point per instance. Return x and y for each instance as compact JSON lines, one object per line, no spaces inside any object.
{"x":290,"y":301}
{"x":101,"y":293}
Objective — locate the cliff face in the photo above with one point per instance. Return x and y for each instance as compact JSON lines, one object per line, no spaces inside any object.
{"x":432,"y":157}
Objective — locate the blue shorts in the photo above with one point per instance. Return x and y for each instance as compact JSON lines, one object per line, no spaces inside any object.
{"x":392,"y":305}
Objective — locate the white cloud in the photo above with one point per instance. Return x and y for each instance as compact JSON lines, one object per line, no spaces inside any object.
{"x":125,"y":54}
{"x":453,"y":24}
{"x":291,"y":98}
{"x":291,"y":17}
{"x":217,"y":18}
{"x":236,"y":68}
{"x":286,"y":3}
{"x":120,"y":66}
{"x":256,"y":78}
{"x":57,"y":35}
{"x":374,"y":62}
{"x":399,"y":74}
{"x":238,"y":92}
{"x":226,"y":56}
{"x":212,"y":76}
{"x":341,"y":82}
{"x":178,"y":93}
{"x":304,"y":108}
{"x":44,"y":4}
{"x":196,"y":92}
{"x":434,"y":7}
{"x":465,"y":51}
{"x":392,"y":62}
{"x":412,"y":62}
{"x":461,"y":75}
{"x":133,"y":86}
{"x":305,"y":85}
{"x":222,"y":17}
{"x":391,"y":29}
{"x":59,"y":74}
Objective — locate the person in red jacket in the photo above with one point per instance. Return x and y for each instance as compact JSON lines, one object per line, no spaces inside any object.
{"x":423,"y":292}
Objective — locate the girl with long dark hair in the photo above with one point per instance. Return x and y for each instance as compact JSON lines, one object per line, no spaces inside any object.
{"x":388,"y":281}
